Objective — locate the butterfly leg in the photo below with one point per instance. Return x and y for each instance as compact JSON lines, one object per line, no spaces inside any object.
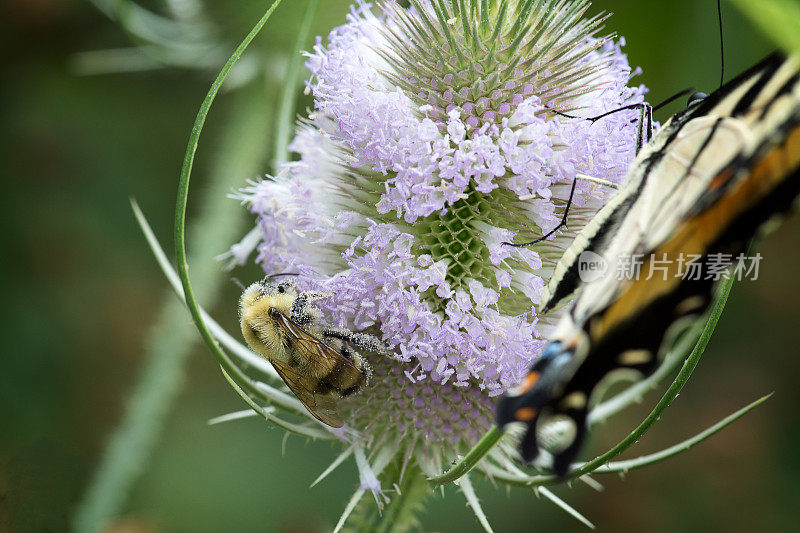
{"x":644,"y":128}
{"x":597,"y":181}
{"x":560,"y":225}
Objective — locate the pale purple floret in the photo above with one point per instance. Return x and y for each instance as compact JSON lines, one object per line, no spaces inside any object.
{"x":369,"y":140}
{"x":388,"y":132}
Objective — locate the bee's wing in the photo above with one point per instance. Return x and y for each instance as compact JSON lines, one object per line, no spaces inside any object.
{"x":322,"y":406}
{"x":318,"y":360}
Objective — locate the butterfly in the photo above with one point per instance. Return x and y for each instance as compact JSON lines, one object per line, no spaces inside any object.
{"x":701,"y":188}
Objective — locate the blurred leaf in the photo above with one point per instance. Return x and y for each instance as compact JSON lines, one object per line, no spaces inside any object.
{"x":778,"y":19}
{"x":240,"y":154}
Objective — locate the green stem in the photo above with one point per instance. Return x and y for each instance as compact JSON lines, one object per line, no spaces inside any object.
{"x":170,"y":342}
{"x":183,"y":193}
{"x":469,"y":461}
{"x":289,"y":92}
{"x":645,"y":460}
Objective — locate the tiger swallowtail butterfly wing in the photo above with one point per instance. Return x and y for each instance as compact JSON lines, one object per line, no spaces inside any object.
{"x":704,"y":185}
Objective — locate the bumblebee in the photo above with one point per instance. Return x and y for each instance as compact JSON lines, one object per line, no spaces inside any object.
{"x":317,"y":361}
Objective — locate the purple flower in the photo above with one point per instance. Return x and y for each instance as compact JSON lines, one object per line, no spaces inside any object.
{"x":412,"y":175}
{"x":431,"y":144}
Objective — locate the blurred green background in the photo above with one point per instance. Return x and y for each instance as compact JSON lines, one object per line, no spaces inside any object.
{"x":81,"y":294}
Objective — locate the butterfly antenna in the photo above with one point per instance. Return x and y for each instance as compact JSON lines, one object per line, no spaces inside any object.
{"x":270,"y":276}
{"x":721,"y":46}
{"x":673,"y":98}
{"x":624,"y":108}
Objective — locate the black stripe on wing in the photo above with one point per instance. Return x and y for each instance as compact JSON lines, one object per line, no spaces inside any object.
{"x":761,"y":73}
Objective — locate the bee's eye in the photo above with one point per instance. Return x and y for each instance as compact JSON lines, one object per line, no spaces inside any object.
{"x":285,"y":286}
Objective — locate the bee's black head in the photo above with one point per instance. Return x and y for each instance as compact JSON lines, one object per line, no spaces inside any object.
{"x":272,"y":286}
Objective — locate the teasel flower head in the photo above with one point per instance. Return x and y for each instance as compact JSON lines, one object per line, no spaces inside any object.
{"x":438,"y":136}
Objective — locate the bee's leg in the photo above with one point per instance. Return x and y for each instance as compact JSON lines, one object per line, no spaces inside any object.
{"x":347,"y":352}
{"x":316,"y":295}
{"x":363,"y":367}
{"x":365,"y":341}
{"x":302,"y":312}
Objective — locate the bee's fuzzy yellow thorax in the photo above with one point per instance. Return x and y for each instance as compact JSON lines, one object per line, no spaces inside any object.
{"x":259,"y":330}
{"x":255,"y":300}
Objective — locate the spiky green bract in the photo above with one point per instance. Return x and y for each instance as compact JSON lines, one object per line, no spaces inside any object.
{"x":486,"y":58}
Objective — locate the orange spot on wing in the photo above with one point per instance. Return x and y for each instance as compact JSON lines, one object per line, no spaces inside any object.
{"x":573,"y":343}
{"x":530,"y":381}
{"x":720,"y":179}
{"x":525,"y":414}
